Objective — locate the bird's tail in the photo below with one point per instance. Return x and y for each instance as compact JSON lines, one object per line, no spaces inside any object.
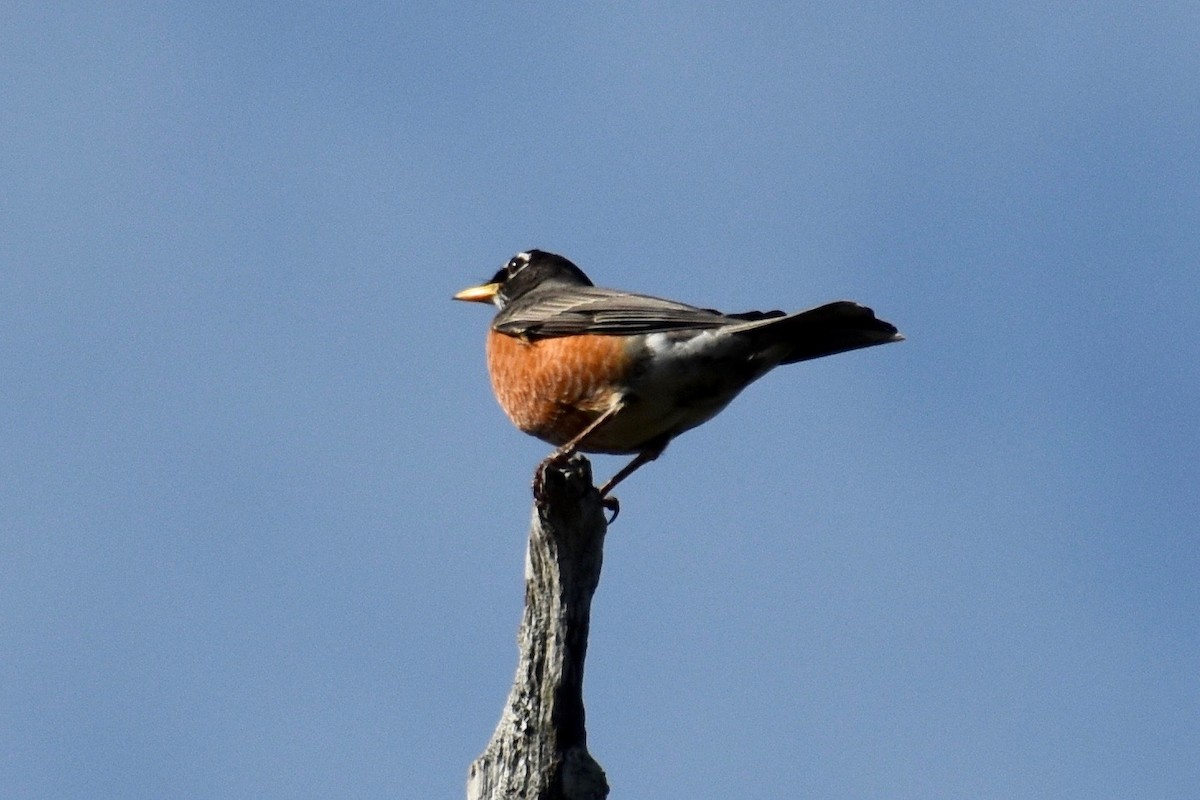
{"x":822,"y":331}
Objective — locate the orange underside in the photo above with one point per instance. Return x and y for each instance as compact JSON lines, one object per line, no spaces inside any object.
{"x":552,"y":388}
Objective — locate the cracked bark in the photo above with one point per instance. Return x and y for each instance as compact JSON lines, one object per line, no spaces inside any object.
{"x":539,"y":749}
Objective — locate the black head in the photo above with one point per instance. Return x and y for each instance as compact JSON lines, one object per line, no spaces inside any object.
{"x":523,"y":272}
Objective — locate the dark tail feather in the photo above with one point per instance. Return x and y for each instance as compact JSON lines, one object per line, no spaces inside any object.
{"x":826,"y":330}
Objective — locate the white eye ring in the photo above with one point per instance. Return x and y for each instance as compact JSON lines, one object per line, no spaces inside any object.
{"x":518,"y":261}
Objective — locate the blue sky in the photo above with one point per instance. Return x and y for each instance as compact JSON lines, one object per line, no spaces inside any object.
{"x":262,"y":524}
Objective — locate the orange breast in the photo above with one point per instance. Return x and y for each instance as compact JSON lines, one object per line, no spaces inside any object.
{"x":552,"y":388}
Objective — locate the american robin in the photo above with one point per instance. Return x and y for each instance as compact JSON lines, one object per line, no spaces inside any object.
{"x":607,"y":371}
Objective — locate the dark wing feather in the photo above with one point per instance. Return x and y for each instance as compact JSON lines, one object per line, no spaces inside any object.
{"x":591,"y":309}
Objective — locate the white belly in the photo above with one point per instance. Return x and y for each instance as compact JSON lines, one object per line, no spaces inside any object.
{"x":689,"y":379}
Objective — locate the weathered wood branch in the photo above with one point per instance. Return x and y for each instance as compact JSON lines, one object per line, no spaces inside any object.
{"x":539,"y":749}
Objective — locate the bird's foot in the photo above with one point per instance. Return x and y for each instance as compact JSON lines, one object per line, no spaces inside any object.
{"x":613,"y":505}
{"x":558,"y":458}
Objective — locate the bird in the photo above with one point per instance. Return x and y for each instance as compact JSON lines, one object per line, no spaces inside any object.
{"x":599,"y":370}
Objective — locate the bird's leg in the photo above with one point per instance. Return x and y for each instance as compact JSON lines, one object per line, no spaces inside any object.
{"x":567,"y":450}
{"x":560,"y":456}
{"x":610,"y":501}
{"x":641,"y":459}
{"x":645,"y":457}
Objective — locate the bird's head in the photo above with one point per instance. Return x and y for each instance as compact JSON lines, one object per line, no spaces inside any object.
{"x":523,"y":272}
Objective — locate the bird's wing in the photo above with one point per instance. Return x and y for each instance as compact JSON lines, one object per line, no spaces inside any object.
{"x":592,"y":309}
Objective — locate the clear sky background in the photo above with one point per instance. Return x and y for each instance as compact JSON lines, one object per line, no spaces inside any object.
{"x":262,"y":523}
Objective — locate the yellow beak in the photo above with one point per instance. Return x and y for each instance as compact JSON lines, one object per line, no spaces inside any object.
{"x":479,"y":294}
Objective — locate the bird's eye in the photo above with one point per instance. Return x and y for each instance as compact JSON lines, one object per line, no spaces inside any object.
{"x":516,"y":263}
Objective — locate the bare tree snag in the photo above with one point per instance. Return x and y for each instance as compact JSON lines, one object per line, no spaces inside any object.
{"x":539,"y":749}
